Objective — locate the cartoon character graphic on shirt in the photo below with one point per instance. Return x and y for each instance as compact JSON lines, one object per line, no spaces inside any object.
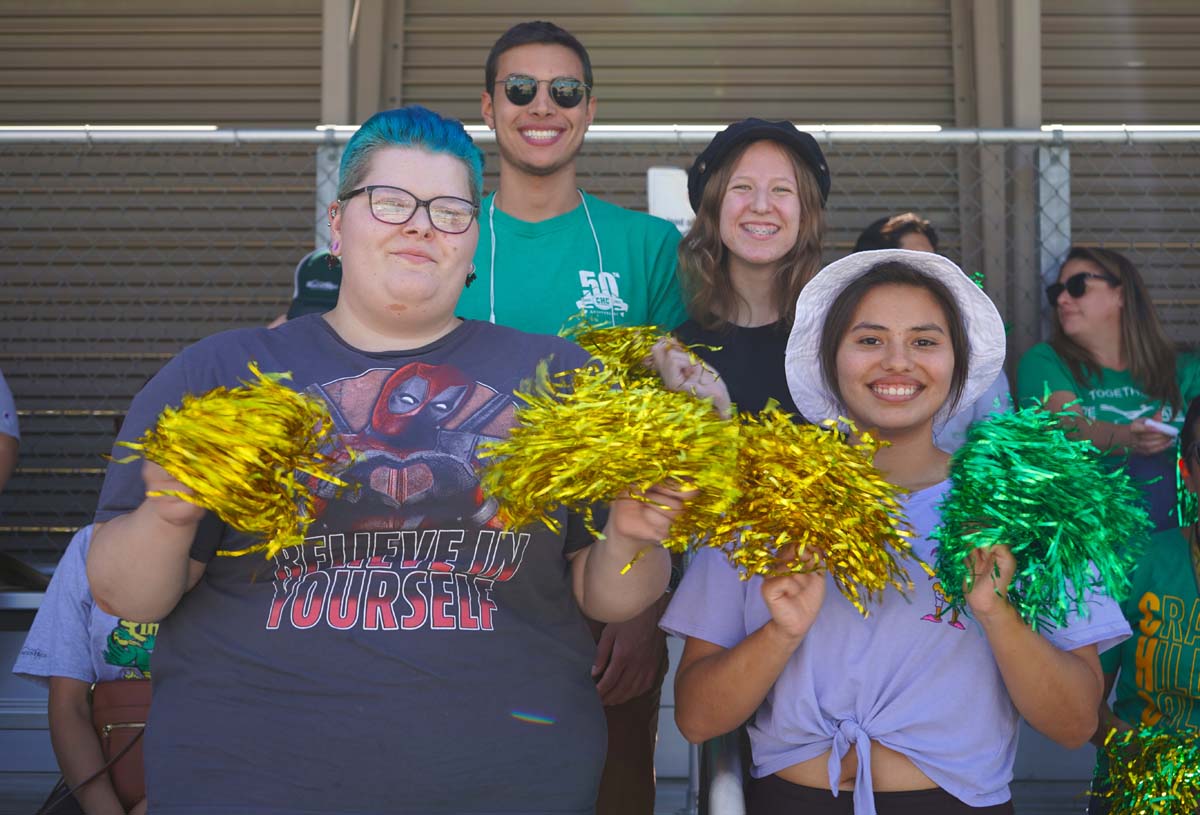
{"x":940,"y":606}
{"x":409,"y":444}
{"x":412,"y":543}
{"x":129,"y":645}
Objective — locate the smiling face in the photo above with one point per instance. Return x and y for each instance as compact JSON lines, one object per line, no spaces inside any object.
{"x":895,"y":363}
{"x":404,"y":271}
{"x":540,"y":138}
{"x":1097,"y":312}
{"x":760,"y":210}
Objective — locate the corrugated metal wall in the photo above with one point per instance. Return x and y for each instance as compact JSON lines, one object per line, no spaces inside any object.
{"x":706,"y":60}
{"x":1114,"y":61}
{"x":117,"y":256}
{"x":223,"y":62}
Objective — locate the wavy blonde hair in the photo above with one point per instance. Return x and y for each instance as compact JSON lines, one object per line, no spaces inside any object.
{"x":704,"y":259}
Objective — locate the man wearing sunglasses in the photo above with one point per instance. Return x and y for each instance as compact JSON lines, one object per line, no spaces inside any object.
{"x":548,"y":251}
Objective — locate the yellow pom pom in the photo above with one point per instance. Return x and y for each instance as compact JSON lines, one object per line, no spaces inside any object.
{"x":581,"y":440}
{"x":809,"y":500}
{"x":242,"y":451}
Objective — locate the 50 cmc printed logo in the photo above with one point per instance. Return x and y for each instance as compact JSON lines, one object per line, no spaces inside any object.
{"x":601,"y":295}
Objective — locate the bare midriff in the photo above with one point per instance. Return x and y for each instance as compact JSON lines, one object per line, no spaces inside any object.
{"x":890,"y":771}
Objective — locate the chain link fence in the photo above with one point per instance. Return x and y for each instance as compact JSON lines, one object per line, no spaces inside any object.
{"x":121,"y":248}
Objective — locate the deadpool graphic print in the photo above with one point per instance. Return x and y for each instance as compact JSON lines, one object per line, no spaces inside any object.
{"x":411,"y":542}
{"x":409,"y":444}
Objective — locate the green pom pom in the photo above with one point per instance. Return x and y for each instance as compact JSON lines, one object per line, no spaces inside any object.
{"x":1073,"y":526}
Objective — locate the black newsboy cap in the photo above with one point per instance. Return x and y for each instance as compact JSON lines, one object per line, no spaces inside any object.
{"x":750,"y":130}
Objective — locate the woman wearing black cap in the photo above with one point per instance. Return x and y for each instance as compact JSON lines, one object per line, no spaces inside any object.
{"x":758,"y":190}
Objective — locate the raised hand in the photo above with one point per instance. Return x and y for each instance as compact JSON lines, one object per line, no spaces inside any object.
{"x":649,"y":519}
{"x":993,"y":568}
{"x":794,"y":599}
{"x":683,"y":371}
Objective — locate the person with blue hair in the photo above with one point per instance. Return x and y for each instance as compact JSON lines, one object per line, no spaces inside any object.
{"x":413,"y":655}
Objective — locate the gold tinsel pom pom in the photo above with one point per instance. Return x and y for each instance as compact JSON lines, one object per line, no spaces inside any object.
{"x":581,"y":440}
{"x":242,"y":451}
{"x":806,"y":486}
{"x":624,"y":349}
{"x":763,"y":482}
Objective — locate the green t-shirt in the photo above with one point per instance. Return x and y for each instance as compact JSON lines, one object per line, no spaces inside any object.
{"x":549,"y":271}
{"x":1115,"y":397}
{"x":1159,"y":666}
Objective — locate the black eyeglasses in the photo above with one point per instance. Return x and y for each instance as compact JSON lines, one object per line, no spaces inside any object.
{"x":566,"y":91}
{"x":1076,"y":286}
{"x":394,"y":205}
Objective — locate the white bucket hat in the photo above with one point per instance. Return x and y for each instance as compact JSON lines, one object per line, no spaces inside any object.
{"x":812,"y":394}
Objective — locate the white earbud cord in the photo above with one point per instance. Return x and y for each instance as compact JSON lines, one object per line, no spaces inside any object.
{"x":492,"y":234}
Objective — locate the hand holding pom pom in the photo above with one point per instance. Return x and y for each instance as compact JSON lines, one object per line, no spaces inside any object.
{"x":243,"y":453}
{"x":647,"y":515}
{"x":162,"y":491}
{"x":990,"y":571}
{"x":684,"y":372}
{"x":794,"y":599}
{"x":1070,"y":526}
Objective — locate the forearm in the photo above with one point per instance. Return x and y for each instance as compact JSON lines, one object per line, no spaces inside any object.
{"x":1058,"y":692}
{"x":77,"y":747}
{"x":1106,"y":436}
{"x":719,"y":692}
{"x":138,"y":563}
{"x":607,"y":595}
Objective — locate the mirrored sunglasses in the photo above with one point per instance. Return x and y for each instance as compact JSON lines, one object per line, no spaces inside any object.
{"x":1075,"y":285}
{"x":567,"y":92}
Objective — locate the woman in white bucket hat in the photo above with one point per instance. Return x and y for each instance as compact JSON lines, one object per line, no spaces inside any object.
{"x":915,"y":708}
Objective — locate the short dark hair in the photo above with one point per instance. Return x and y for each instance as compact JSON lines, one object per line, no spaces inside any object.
{"x":533,"y":33}
{"x":887,"y":232}
{"x":837,"y":321}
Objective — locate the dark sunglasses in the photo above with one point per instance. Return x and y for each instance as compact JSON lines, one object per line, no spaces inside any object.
{"x":567,"y":92}
{"x":1076,"y":286}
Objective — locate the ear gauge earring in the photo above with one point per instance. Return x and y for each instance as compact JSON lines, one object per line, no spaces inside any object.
{"x":331,"y":257}
{"x":471,"y":277}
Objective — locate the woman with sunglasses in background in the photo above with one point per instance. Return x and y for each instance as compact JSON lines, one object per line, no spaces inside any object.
{"x":1157,"y":671}
{"x":411,"y":656}
{"x":1110,"y":361}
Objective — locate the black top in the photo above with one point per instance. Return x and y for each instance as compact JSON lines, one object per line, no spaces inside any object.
{"x":749,"y":359}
